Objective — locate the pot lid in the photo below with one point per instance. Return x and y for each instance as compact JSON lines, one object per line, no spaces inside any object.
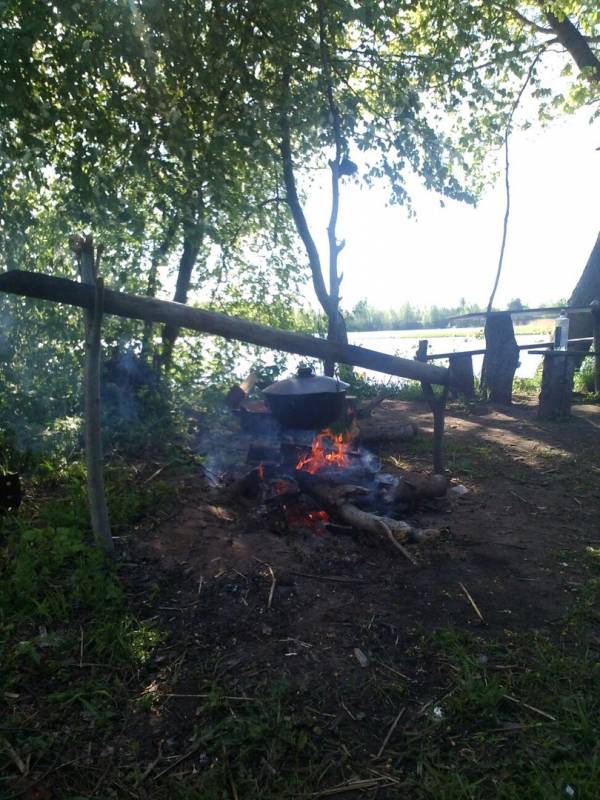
{"x":306,"y":382}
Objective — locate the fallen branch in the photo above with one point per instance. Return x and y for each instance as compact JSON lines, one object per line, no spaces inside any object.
{"x":336,"y":499}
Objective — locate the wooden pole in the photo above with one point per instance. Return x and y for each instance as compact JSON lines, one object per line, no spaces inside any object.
{"x":461,"y":369}
{"x":92,"y":407}
{"x":61,"y":290}
{"x":438,"y":409}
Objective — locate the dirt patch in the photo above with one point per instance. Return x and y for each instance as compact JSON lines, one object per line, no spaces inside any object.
{"x":341,"y":601}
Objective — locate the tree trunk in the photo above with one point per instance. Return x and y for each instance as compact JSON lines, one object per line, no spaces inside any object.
{"x":191,"y":245}
{"x":577,"y":45}
{"x":157,"y":258}
{"x":596,"y":323}
{"x":587,"y":290}
{"x":501,"y":358}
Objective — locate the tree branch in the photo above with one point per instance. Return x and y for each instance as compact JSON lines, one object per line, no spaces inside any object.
{"x":295,"y":206}
{"x":506,"y":173}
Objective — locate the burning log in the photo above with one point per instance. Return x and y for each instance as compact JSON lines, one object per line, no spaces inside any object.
{"x":337,"y":499}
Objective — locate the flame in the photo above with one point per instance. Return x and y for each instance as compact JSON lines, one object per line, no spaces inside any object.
{"x":261,"y":472}
{"x":328,"y":449}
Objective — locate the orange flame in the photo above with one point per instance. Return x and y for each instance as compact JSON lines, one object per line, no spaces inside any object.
{"x":261,"y":472}
{"x":328,"y":449}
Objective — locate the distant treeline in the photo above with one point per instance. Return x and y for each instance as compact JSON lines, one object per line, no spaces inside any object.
{"x":364,"y":317}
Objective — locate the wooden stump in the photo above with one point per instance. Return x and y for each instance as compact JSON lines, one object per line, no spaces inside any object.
{"x":461,"y":369}
{"x":501,"y":358}
{"x":557,"y":386}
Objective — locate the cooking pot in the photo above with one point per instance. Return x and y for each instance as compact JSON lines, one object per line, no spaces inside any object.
{"x":306,"y":401}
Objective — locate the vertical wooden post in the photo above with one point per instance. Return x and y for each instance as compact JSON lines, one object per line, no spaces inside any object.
{"x":438,"y":409}
{"x":92,"y":409}
{"x":557,"y":385}
{"x":595,"y":304}
{"x":461,"y":368}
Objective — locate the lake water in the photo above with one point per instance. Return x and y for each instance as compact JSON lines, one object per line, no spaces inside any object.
{"x":404,"y":343}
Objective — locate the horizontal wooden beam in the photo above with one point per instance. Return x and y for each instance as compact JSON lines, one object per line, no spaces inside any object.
{"x":61,"y":290}
{"x":433,"y":356}
{"x":523,"y":312}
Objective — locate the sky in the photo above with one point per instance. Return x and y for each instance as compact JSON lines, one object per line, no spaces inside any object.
{"x":449,"y":253}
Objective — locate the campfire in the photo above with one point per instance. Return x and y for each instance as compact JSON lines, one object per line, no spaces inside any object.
{"x":327,"y":450}
{"x":320,"y":482}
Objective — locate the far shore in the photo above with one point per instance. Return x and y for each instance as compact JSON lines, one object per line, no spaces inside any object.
{"x":535,"y":328}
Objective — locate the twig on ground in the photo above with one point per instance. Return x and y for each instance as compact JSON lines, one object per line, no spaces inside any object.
{"x":22,"y":766}
{"x":176,"y":763}
{"x":395,"y":542}
{"x":531,"y":708}
{"x":272,"y":589}
{"x":395,"y":671}
{"x":335,"y":578}
{"x":355,"y":786}
{"x":206,"y":694}
{"x":473,"y":603}
{"x":518,"y":496}
{"x":388,"y":735}
{"x":152,"y":764}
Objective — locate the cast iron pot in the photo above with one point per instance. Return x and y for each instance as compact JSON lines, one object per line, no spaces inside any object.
{"x":307,"y":401}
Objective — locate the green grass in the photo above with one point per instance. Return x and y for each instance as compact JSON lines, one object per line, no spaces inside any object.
{"x":69,"y":643}
{"x":535,"y":745}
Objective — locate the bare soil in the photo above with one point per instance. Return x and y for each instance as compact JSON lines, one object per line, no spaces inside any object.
{"x":512,"y":542}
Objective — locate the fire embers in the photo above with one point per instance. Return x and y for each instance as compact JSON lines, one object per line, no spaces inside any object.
{"x":278,"y":502}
